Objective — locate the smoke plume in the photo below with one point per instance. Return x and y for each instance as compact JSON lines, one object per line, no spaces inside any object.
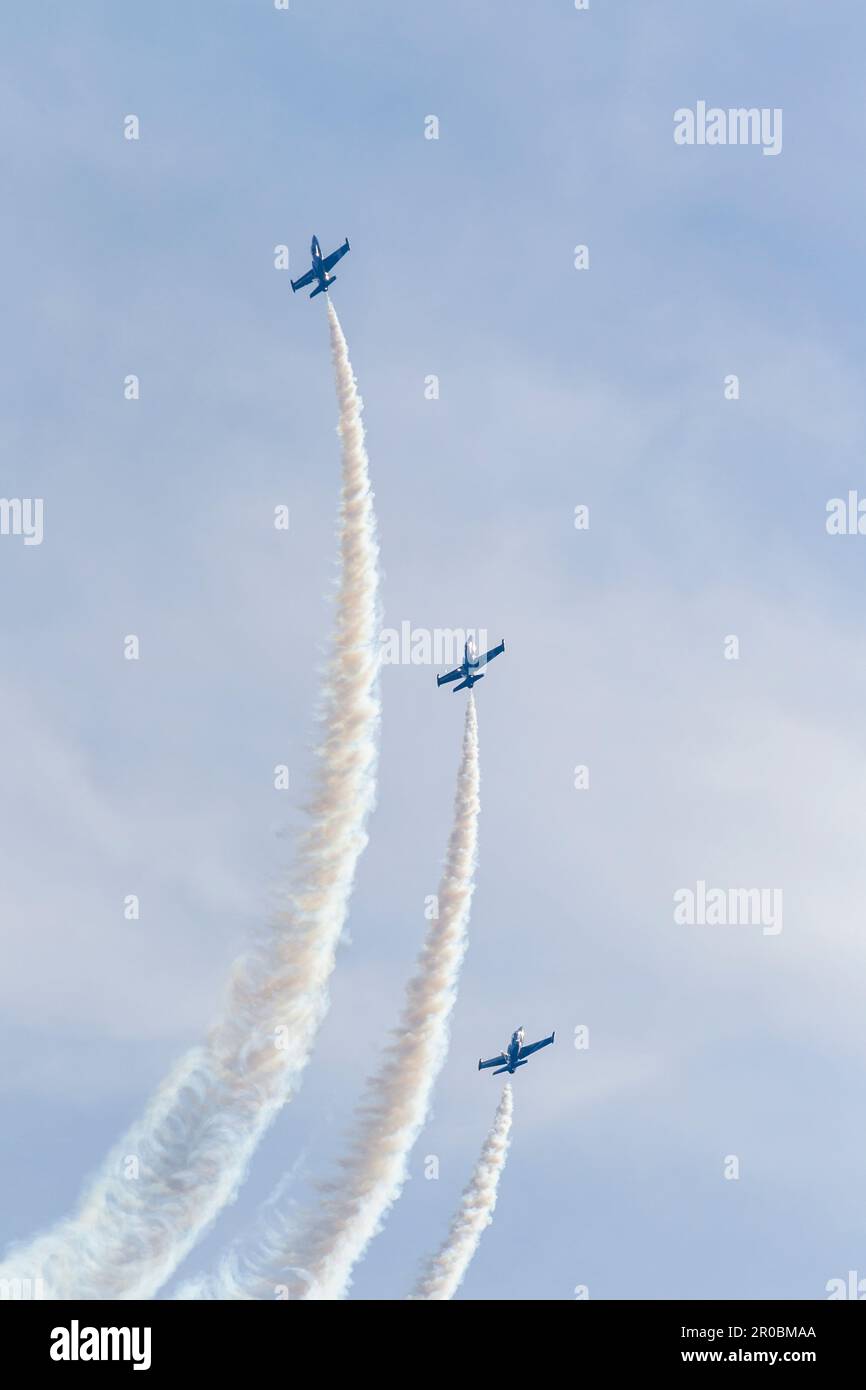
{"x":178,"y":1165}
{"x":446,"y":1270}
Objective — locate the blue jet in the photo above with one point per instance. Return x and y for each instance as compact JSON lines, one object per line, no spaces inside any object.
{"x":320,"y":267}
{"x":467,"y":672}
{"x":515,"y":1054}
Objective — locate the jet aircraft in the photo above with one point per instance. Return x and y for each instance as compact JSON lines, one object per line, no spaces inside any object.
{"x":468,"y":671}
{"x":515,"y":1054}
{"x":320,"y":267}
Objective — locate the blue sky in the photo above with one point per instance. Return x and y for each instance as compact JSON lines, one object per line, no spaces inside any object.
{"x":557,"y":387}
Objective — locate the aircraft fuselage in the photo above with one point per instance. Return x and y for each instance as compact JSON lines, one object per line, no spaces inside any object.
{"x":471,"y":662}
{"x":512,"y":1051}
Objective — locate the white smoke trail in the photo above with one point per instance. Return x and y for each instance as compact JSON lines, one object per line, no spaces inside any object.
{"x":178,"y":1166}
{"x":445,"y":1272}
{"x":315,"y":1259}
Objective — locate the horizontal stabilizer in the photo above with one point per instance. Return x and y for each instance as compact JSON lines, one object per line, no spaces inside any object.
{"x":326,"y":285}
{"x":467,"y":683}
{"x":514,"y":1068}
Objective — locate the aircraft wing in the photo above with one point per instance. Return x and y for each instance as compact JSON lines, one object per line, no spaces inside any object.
{"x":330,"y":261}
{"x":452,"y":676}
{"x":494,"y":651}
{"x":492,"y":1061}
{"x":533,"y":1047}
{"x":304,"y":280}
